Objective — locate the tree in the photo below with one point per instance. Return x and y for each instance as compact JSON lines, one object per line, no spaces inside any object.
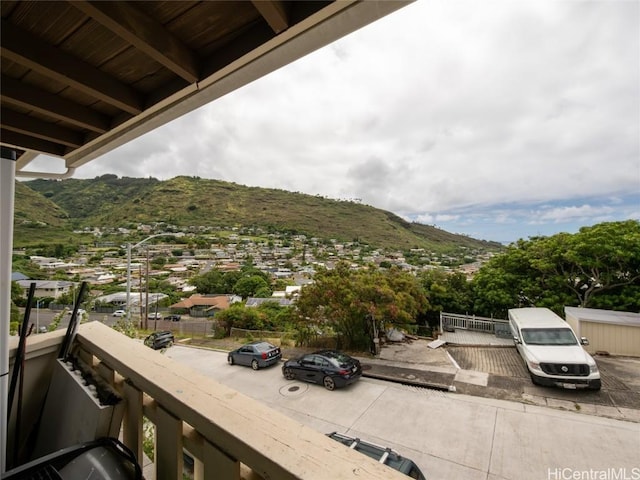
{"x":597,"y":259}
{"x":249,"y":286}
{"x":357,"y":304}
{"x":238,"y":316}
{"x":597,"y":267}
{"x":447,"y":292}
{"x":17,"y":293}
{"x":158,"y":262}
{"x":212,"y":281}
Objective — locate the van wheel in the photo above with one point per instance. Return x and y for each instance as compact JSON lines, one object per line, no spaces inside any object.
{"x":534,"y":379}
{"x":254,"y":364}
{"x":595,"y":385}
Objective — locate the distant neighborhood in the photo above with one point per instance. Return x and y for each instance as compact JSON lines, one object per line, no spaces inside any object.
{"x":176,"y":254}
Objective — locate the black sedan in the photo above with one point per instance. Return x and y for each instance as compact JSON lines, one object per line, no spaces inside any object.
{"x":255,"y":354}
{"x":328,"y":367}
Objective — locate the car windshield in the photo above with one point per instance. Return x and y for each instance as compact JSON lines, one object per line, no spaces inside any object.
{"x":548,"y":336}
{"x":264,"y":347}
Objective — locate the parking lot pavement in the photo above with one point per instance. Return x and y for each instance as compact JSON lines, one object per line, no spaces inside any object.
{"x":499,"y":373}
{"x":448,"y":435}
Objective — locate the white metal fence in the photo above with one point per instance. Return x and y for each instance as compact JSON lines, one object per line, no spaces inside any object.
{"x":453,"y":321}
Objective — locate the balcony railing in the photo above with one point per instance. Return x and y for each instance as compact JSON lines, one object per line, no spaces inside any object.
{"x":230,"y":435}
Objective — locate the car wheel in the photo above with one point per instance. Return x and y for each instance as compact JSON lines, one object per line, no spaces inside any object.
{"x":288,"y":374}
{"x":328,"y":382}
{"x":230,"y":359}
{"x":254,"y":364}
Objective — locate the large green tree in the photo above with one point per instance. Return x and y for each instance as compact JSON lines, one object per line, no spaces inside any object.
{"x":598,"y":267}
{"x":252,"y":286}
{"x":447,"y":292}
{"x":212,"y":281}
{"x":358,"y":304}
{"x":601,"y":258}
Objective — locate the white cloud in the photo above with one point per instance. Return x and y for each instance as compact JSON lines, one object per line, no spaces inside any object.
{"x":573,"y":213}
{"x":440,"y":108}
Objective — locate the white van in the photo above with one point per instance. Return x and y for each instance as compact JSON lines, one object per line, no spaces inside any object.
{"x":550,"y":350}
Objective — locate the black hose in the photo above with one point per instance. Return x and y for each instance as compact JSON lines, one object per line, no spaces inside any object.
{"x":18,"y":365}
{"x":20,"y":353}
{"x":73,"y":325}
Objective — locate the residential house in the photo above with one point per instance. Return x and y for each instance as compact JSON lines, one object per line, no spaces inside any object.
{"x":199,"y":305}
{"x":47,"y":288}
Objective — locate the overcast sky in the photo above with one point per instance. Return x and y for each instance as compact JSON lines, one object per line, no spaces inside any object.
{"x":497,"y":119}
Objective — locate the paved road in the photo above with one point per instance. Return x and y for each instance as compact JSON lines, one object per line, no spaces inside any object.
{"x":448,"y":435}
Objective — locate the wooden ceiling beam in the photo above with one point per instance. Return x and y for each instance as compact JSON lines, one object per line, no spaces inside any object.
{"x":27,"y":142}
{"x":145,"y":34}
{"x":22,"y":47}
{"x":34,"y":127}
{"x":274,"y":12}
{"x":21,"y":94}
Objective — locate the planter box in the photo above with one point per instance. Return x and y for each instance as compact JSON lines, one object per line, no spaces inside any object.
{"x":73,"y":411}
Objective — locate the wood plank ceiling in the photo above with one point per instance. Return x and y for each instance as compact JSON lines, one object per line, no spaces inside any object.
{"x":73,"y":72}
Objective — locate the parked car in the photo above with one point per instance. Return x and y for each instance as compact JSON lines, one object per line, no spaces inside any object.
{"x":119,"y":313}
{"x":158,"y":340}
{"x":330,"y":368}
{"x":154,"y":316}
{"x":81,"y":312}
{"x":255,"y":354}
{"x":383,"y":455}
{"x":173,"y":317}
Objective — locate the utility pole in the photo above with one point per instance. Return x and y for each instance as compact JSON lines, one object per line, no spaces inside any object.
{"x":146,"y":301}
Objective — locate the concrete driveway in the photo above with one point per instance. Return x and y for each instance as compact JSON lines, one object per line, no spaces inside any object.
{"x":507,"y":378}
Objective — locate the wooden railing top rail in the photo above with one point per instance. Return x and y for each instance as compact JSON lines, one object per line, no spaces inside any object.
{"x":273,"y":445}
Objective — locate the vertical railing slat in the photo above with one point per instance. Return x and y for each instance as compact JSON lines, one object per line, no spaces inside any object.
{"x":132,"y":421}
{"x":219,"y":466}
{"x":168,"y":451}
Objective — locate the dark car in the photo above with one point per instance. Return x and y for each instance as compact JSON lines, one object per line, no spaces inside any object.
{"x":384,"y":455}
{"x":173,"y":317}
{"x":158,"y":340}
{"x":255,"y":354}
{"x":330,"y":368}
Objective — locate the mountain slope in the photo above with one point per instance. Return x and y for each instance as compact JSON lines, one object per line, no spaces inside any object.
{"x":109,"y":201}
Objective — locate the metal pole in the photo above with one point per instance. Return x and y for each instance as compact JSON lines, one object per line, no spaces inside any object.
{"x":128,"y":304}
{"x":129,"y":247}
{"x":146,"y":298}
{"x":7,"y":187}
{"x":140,"y":312}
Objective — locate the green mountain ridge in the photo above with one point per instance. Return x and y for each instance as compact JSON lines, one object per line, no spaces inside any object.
{"x":110,"y":202}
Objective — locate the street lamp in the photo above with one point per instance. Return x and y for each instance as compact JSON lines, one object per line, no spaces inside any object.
{"x":129,"y":248}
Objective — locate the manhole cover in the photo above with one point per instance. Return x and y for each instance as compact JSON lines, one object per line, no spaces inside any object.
{"x":293,"y":389}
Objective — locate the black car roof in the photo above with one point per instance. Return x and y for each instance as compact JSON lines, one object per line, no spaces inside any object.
{"x":331,"y":353}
